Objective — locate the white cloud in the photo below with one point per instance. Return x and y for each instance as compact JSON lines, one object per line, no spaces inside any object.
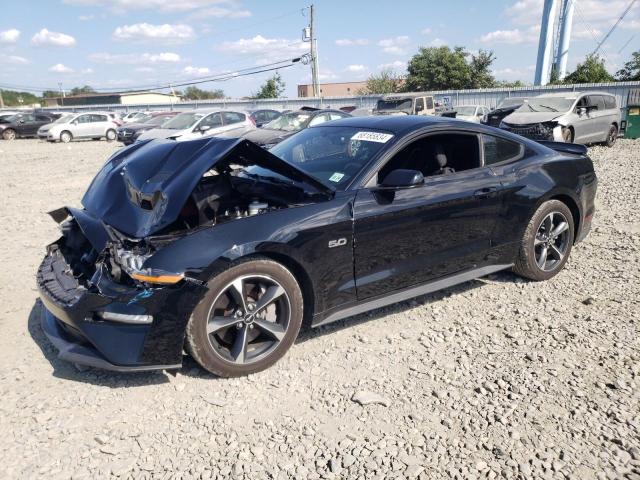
{"x":270,"y":48}
{"x":394,"y":46}
{"x":351,"y":42}
{"x":425,"y":31}
{"x":437,"y":42}
{"x":12,"y":60}
{"x":397,"y":65}
{"x":87,"y":71}
{"x":9,"y":36}
{"x":60,"y":68}
{"x":195,"y":71}
{"x":135,"y":58}
{"x":355,"y":68}
{"x":165,"y":34}
{"x":512,"y":37}
{"x":45,"y":37}
{"x":86,"y":18}
{"x":212,"y":8}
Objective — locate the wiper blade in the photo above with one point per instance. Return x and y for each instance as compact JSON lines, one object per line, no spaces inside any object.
{"x":550,"y":108}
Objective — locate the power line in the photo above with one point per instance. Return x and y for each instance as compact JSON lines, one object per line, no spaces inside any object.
{"x":615,"y":25}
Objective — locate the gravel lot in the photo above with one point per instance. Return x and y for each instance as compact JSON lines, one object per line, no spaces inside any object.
{"x":496,"y":378}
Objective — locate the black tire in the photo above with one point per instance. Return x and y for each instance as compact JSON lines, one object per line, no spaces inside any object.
{"x":9,"y":134}
{"x":612,"y":136}
{"x":111,"y":135}
{"x":65,"y":136}
{"x":528,"y":262}
{"x":214,"y":351}
{"x":567,"y":135}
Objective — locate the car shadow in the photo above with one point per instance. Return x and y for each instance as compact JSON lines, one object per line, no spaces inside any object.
{"x":65,"y":370}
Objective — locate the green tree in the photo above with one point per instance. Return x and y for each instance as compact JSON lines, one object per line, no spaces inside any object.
{"x":272,"y":88}
{"x":506,"y":84}
{"x":441,"y":68}
{"x":631,"y":70}
{"x":50,"y":94}
{"x":387,"y":81}
{"x":13,"y":98}
{"x":481,"y":76}
{"x":195,"y":93}
{"x":592,"y":70}
{"x":81,"y":90}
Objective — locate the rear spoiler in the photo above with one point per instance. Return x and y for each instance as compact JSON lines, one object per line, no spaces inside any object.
{"x":562,"y":147}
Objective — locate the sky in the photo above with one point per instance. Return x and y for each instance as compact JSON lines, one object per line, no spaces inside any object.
{"x":119,"y":44}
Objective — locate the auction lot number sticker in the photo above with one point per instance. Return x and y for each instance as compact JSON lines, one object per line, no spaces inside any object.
{"x":372,"y":137}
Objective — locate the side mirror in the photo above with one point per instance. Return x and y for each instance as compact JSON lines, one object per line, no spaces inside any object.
{"x":582,"y":111}
{"x":402,"y":178}
{"x":204,"y":128}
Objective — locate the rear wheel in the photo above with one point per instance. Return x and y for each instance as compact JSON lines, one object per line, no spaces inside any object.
{"x":612,"y":136}
{"x":546,"y":243}
{"x":248,"y":319}
{"x":65,"y":137}
{"x":9,"y":134}
{"x":111,"y":135}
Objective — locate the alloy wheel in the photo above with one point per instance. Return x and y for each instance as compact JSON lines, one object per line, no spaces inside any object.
{"x":9,"y":134}
{"x":551,"y":241}
{"x":248,"y":319}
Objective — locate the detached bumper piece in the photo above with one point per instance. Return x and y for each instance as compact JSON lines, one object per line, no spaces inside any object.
{"x":103,"y":324}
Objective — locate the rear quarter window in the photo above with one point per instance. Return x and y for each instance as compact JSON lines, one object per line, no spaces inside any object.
{"x":610,"y":102}
{"x":498,"y":150}
{"x":232,"y":117}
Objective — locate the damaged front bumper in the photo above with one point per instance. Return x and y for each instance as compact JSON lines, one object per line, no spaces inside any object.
{"x":112,"y":326}
{"x":547,"y":131}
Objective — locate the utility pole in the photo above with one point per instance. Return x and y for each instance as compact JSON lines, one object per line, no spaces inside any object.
{"x":314,"y":53}
{"x":61,"y":94}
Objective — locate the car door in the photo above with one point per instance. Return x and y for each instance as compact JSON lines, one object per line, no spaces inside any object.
{"x":601,"y":119}
{"x":82,"y":126}
{"x":24,"y":124}
{"x":40,"y":120}
{"x":407,"y":236}
{"x":213,"y":121}
{"x":234,"y":124}
{"x":98,"y":125}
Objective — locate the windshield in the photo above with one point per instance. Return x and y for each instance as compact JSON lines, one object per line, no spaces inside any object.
{"x":400,"y":104}
{"x":65,"y":118}
{"x":289,"y":122}
{"x":466,"y":111}
{"x":510,"y":102}
{"x":331,"y":155}
{"x":183,"y":121}
{"x":158,"y":119}
{"x":547,"y":104}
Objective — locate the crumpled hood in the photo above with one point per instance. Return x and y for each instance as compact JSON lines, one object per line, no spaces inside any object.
{"x":267,"y":136}
{"x":142,"y":188}
{"x":525,"y":118}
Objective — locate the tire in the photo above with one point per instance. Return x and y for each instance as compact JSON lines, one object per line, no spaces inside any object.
{"x":612,"y":136}
{"x":567,"y":135}
{"x":9,"y":134}
{"x":66,"y":137}
{"x":532,"y":262}
{"x":218,"y":325}
{"x":111,"y":135}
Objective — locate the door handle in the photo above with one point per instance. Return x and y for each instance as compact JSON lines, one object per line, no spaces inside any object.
{"x":485,"y":192}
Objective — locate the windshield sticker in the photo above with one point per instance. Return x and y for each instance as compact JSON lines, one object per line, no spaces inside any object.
{"x":372,"y":137}
{"x":336,"y":177}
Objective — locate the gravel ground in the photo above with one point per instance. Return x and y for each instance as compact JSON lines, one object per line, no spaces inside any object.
{"x":496,"y":378}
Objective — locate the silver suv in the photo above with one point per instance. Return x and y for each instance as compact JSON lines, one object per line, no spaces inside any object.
{"x":572,"y":117}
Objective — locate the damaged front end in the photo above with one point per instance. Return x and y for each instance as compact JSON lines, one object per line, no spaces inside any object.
{"x":111,"y":300}
{"x":545,"y":131}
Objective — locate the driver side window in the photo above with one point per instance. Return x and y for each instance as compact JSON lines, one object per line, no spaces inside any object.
{"x":440,"y":154}
{"x":214,"y":121}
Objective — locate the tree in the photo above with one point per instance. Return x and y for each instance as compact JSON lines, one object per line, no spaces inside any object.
{"x":481,"y":76}
{"x":194,"y":93}
{"x":441,"y":68}
{"x":50,"y":94}
{"x":13,"y":98}
{"x":387,"y":81}
{"x":81,"y":90}
{"x":272,"y":88}
{"x":506,"y":84}
{"x":631,"y":70}
{"x":592,"y":70}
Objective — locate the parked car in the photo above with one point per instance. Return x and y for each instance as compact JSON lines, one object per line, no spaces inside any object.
{"x":572,"y":117}
{"x":75,"y":126}
{"x":133,"y":116}
{"x":506,"y":107}
{"x":202,"y":123}
{"x":23,"y":125}
{"x":130,"y":132}
{"x":470,"y":113}
{"x":263,"y":116}
{"x":406,"y":104}
{"x":289,"y":123}
{"x":7,"y":113}
{"x":222,"y":248}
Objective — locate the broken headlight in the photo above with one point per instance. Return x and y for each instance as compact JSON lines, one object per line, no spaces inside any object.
{"x":132,"y":264}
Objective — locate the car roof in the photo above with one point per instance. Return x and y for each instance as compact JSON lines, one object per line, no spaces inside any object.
{"x":396,"y":123}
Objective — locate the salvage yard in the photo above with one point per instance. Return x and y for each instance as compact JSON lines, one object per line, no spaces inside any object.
{"x":495,"y":378}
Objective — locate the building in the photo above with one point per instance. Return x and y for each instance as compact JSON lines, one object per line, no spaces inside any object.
{"x":344,"y":89}
{"x":125,"y":98}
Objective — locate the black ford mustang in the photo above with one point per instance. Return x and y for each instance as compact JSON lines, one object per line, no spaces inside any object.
{"x":222,"y":248}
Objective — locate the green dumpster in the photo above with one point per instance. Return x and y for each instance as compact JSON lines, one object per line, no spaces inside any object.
{"x":633,"y":122}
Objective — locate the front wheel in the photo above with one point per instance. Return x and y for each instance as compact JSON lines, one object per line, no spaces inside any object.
{"x":111,"y":135}
{"x":547,"y":242}
{"x":567,"y":135}
{"x":612,"y":136}
{"x":65,"y":137}
{"x":9,"y":134}
{"x":247,"y":320}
